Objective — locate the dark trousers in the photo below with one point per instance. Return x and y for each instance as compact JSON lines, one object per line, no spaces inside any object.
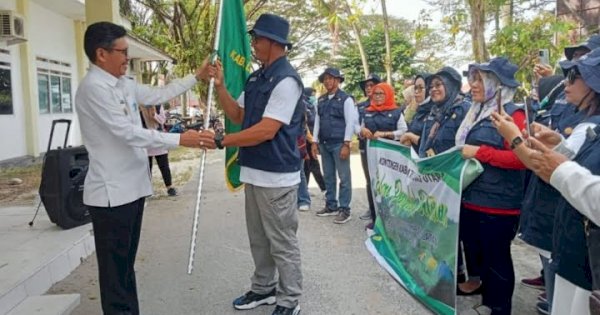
{"x":313,"y":166}
{"x":163,"y":165}
{"x":487,"y":238}
{"x":117,"y":234}
{"x":365,"y":166}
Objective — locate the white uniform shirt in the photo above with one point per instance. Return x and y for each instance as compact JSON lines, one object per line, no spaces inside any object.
{"x":281,"y":107}
{"x":350,"y":117}
{"x":114,"y":137}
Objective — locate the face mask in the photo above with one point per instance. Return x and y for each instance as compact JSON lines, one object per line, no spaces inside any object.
{"x":312,"y":99}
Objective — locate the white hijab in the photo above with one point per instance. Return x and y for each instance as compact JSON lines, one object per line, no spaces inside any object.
{"x":480,"y":111}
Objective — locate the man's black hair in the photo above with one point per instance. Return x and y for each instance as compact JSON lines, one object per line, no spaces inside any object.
{"x":101,"y":35}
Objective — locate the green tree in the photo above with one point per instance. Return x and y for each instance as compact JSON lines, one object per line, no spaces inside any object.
{"x":521,"y":41}
{"x":402,"y":52}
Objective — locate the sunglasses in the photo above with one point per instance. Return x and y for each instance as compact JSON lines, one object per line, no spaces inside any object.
{"x":572,"y":75}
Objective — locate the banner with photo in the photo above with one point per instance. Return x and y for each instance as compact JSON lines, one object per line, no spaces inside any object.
{"x":416,"y":232}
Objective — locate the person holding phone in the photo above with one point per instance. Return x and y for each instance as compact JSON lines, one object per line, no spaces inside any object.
{"x":570,"y":260}
{"x":489,"y":214}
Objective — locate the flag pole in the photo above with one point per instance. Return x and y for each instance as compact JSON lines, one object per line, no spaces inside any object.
{"x":211,"y":88}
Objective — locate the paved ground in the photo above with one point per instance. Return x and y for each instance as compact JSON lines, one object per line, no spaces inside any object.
{"x":340,"y":276}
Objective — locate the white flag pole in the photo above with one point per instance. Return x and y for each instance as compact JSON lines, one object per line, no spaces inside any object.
{"x":209,"y":102}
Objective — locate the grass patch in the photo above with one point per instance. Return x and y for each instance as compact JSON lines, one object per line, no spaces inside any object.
{"x":23,"y":193}
{"x":181,"y":153}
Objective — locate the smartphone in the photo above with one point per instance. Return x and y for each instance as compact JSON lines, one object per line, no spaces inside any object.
{"x":499,"y":99}
{"x":544,"y":56}
{"x":527,"y":122}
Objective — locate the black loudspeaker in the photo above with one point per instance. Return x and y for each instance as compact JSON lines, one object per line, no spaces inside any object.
{"x":61,"y":188}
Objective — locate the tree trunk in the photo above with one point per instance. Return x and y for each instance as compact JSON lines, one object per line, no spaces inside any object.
{"x":361,"y":49}
{"x":507,"y":10}
{"x":388,"y":53}
{"x":477,"y":11}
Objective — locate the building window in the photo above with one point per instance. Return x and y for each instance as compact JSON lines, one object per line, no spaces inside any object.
{"x":6,"y":103}
{"x":54,"y":86}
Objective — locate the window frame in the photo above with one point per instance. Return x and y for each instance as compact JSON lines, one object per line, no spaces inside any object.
{"x":55,"y":70}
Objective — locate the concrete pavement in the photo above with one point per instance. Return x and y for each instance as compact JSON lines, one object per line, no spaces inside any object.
{"x":340,"y":276}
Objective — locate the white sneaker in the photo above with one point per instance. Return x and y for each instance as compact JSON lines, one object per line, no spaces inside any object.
{"x":304,"y":208}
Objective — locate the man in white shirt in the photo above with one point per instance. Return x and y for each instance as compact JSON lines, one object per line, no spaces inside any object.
{"x":271,"y":113}
{"x":335,"y":124}
{"x":118,"y":178}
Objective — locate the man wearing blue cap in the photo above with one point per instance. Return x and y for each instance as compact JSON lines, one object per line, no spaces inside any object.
{"x":271,"y":113}
{"x":367,"y":87}
{"x":335,"y":125}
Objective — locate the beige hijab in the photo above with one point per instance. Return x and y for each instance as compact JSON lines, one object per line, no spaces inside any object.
{"x":148,"y":113}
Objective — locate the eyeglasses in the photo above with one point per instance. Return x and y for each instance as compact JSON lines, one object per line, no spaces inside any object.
{"x":436,"y":85}
{"x":572,"y":76}
{"x":125,"y":51}
{"x":419,"y":88}
{"x":378,"y":94}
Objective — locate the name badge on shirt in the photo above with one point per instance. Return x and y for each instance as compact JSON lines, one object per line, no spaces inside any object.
{"x":252,"y":79}
{"x":125,"y":109}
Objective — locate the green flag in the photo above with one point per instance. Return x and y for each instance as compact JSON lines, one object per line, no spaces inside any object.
{"x":234,"y":52}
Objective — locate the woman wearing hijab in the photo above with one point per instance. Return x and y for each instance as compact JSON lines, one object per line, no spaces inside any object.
{"x":447,"y":112}
{"x":382,"y":119}
{"x":491,"y":203}
{"x":576,"y":262}
{"x":153,"y":117}
{"x":415,"y":117}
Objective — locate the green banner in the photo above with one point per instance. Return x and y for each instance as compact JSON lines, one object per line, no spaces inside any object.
{"x":234,"y":52}
{"x":416,"y":232}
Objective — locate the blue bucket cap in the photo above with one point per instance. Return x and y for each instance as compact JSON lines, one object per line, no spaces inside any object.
{"x":449,"y":73}
{"x":503,"y":69}
{"x":589,"y":68}
{"x":272,"y":27}
{"x":591,"y":43}
{"x":372,"y":77}
{"x":332,"y":72}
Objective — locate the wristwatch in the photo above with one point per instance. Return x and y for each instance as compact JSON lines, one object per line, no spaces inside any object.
{"x":219,"y":139}
{"x":515,"y":142}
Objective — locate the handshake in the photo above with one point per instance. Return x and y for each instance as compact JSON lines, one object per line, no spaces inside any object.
{"x":204,"y":139}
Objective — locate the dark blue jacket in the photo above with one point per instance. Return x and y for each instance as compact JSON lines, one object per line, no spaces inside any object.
{"x":418,"y":122}
{"x":496,"y":188}
{"x":361,"y":108}
{"x":311,"y":112}
{"x":332,"y":124}
{"x":569,"y":242}
{"x":281,"y":153}
{"x":382,"y":121}
{"x":449,"y":120}
{"x":539,"y":203}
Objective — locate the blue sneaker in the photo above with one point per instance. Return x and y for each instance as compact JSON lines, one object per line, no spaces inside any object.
{"x":251,"y":300}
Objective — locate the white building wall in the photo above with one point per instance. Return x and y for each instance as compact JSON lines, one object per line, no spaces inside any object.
{"x":12,"y":127}
{"x":52,"y":37}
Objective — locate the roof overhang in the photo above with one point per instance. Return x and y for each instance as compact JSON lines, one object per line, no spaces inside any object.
{"x":138,"y":48}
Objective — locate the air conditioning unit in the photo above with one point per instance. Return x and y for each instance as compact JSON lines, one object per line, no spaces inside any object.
{"x":12,"y":27}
